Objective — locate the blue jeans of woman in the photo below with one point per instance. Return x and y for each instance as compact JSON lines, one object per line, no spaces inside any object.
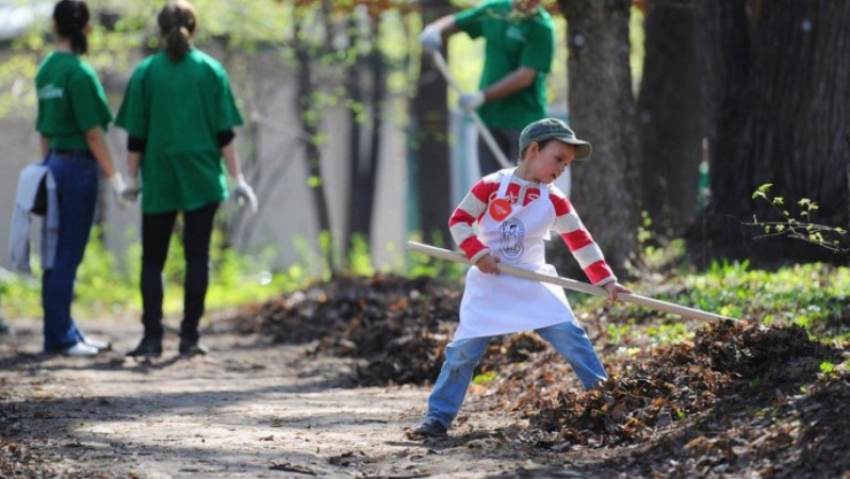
{"x":462,"y":356}
{"x":156,"y":236}
{"x":76,"y":175}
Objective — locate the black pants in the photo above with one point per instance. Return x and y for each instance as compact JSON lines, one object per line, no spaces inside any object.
{"x":508,"y":141}
{"x":156,"y":235}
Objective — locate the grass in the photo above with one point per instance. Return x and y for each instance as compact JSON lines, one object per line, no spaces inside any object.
{"x":813,"y":296}
{"x":104,"y":288}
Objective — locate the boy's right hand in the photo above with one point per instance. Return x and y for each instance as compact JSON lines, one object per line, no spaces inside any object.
{"x":489,"y":264}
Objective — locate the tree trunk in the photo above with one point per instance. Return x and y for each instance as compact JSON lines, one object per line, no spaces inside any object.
{"x":430,"y":147}
{"x":601,"y":110}
{"x":364,"y":158}
{"x":308,"y":122}
{"x":379,"y":95}
{"x":670,"y":122}
{"x":354,"y":90}
{"x":784,"y":127}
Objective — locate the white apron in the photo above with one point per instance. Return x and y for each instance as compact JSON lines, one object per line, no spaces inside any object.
{"x":502,"y":304}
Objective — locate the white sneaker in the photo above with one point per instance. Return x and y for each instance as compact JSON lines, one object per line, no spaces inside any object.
{"x":81,"y":349}
{"x":100,"y":345}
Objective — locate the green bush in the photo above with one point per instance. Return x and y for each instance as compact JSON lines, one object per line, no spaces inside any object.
{"x":104,"y":289}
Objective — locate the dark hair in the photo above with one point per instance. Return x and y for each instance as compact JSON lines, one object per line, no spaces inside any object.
{"x":177,"y":22}
{"x":71,"y":18}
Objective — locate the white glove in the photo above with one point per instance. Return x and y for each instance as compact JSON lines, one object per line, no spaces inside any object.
{"x":118,"y":187}
{"x":131,"y":191}
{"x":471,"y":101}
{"x":243,"y":192}
{"x":431,"y":39}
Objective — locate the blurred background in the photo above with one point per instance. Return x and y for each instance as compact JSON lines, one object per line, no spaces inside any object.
{"x":719,"y":128}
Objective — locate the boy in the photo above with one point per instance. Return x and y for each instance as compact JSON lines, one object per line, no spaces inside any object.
{"x":515,"y":209}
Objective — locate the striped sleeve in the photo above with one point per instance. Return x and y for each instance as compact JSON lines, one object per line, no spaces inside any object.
{"x":470,"y":210}
{"x":578,"y":239}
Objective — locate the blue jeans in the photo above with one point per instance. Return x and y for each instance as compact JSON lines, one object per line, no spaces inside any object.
{"x":76,"y":177}
{"x":462,"y":356}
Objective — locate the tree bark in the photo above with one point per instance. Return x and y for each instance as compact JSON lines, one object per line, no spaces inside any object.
{"x":604,"y":189}
{"x":783,"y":127}
{"x":365,"y":155}
{"x":430,"y":147}
{"x":670,"y":120}
{"x":354,"y":90}
{"x":309,"y":126}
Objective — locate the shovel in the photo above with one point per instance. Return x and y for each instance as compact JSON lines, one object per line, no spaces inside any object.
{"x":575,"y":285}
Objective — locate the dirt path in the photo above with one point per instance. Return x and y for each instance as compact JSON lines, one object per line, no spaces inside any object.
{"x":250,"y":409}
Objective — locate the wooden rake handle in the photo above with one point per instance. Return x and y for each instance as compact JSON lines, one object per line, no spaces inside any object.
{"x":574,"y":285}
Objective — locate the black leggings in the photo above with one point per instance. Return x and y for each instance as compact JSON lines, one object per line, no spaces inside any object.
{"x":156,"y":235}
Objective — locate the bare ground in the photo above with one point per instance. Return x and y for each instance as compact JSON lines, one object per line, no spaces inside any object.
{"x":250,"y":409}
{"x":288,"y":392}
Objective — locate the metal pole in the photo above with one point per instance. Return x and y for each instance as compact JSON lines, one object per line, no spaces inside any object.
{"x":575,"y":285}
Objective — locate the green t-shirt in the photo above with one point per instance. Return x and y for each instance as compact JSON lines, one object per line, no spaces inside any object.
{"x":71,"y":101}
{"x":512,"y":42}
{"x":178,"y":108}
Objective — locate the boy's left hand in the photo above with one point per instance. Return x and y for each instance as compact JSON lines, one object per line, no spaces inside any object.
{"x":614,"y":288}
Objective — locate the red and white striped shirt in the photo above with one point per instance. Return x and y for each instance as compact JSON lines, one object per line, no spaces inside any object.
{"x":567,"y":224}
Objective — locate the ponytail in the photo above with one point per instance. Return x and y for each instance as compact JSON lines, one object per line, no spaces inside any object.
{"x":71,"y":18}
{"x":177,"y":22}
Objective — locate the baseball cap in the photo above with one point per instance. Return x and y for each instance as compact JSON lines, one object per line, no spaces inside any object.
{"x":549,"y":128}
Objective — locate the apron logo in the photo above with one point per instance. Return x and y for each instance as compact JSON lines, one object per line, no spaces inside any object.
{"x":500,"y":208}
{"x":512,"y":235}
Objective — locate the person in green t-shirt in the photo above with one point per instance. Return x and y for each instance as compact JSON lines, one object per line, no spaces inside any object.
{"x":519,"y":47}
{"x":72,"y":115}
{"x":179,"y":114}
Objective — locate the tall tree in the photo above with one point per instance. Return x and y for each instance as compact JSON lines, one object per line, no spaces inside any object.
{"x":601,"y":110}
{"x":781,"y":120}
{"x":670,"y":121}
{"x":309,"y":117}
{"x":430,"y":146}
{"x":366,"y":118}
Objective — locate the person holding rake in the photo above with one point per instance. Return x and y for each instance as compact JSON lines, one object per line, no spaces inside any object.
{"x":515,"y":209}
{"x":519,"y":48}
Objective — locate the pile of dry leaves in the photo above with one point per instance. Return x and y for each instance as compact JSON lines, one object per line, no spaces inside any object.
{"x":737,"y":397}
{"x":397,"y":326}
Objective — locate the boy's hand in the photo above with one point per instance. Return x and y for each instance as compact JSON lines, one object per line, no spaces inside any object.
{"x":614,"y":288}
{"x":489,"y":264}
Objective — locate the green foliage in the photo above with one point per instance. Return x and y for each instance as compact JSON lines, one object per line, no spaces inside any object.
{"x":828,"y":368}
{"x":484,"y":378}
{"x":359,"y":259}
{"x":103,"y":289}
{"x":655,"y":253}
{"x":813,"y":296}
{"x":420,"y":264}
{"x":798,"y":224}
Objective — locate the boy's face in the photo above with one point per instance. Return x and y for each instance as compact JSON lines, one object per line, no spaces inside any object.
{"x":549,"y":162}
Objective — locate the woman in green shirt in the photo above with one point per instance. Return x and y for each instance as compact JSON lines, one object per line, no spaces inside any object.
{"x":72,"y":114}
{"x":179,"y":114}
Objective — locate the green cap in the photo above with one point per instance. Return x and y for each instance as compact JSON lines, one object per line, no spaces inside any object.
{"x":549,"y":128}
